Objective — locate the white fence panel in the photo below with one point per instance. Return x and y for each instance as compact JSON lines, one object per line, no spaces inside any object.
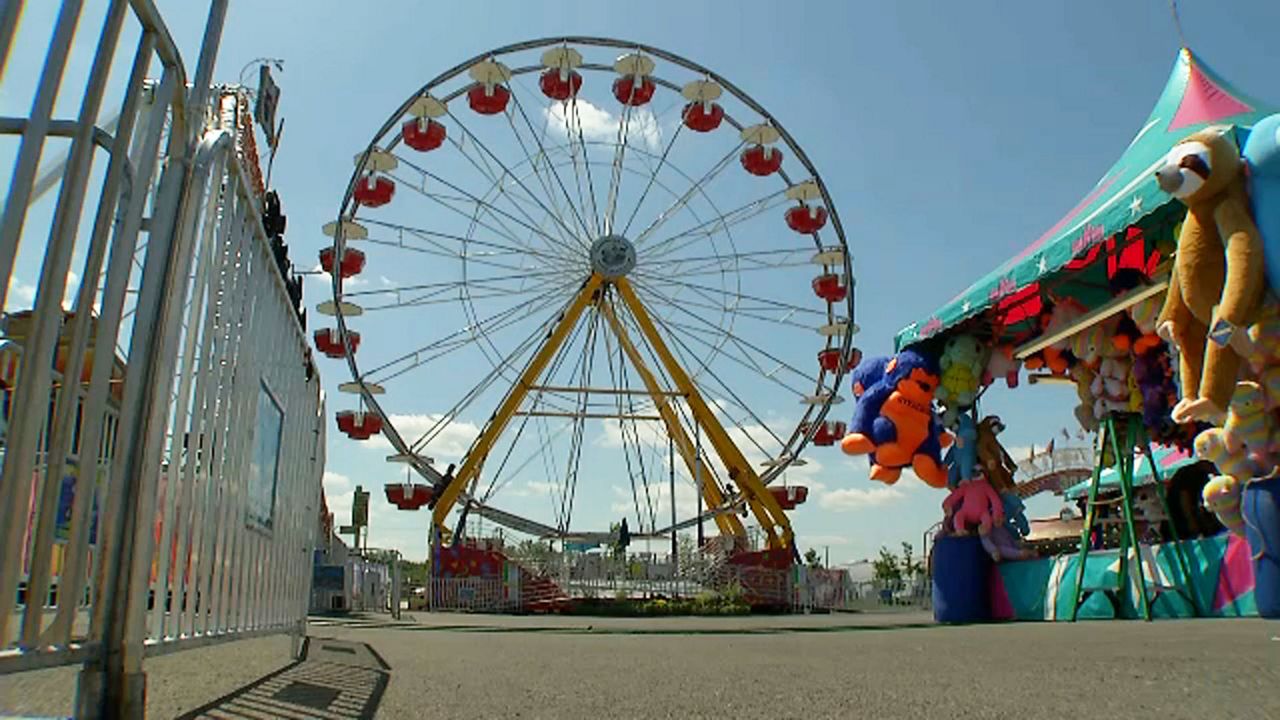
{"x":163,"y":427}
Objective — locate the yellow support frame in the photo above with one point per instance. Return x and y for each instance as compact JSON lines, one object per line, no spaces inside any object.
{"x":728,"y":523}
{"x":480,"y":450}
{"x":773,"y":520}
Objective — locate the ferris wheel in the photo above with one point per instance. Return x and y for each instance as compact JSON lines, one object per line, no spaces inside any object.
{"x":580,"y":261}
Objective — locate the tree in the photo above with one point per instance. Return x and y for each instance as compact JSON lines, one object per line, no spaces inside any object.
{"x":886,"y":568}
{"x":911,"y":567}
{"x":813,"y":559}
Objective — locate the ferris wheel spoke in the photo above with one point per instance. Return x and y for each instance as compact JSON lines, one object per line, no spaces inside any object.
{"x":481,"y":203}
{"x":530,"y":342}
{"x":691,"y":359}
{"x":721,"y":264}
{"x":542,"y":153}
{"x":511,"y":315}
{"x":684,"y":199}
{"x":432,"y":245}
{"x":443,"y":296}
{"x":585,"y":156}
{"x":681,"y":307}
{"x":452,"y":284}
{"x":653,"y":176}
{"x":710,"y":292}
{"x":667,"y":246}
{"x":615,"y":176}
{"x":737,"y":312}
{"x":481,"y":164}
{"x":508,"y":173}
{"x":452,"y":414}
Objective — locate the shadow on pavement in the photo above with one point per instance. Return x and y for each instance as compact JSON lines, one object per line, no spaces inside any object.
{"x":334,"y":680}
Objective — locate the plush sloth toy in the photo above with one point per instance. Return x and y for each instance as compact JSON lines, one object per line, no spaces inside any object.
{"x":1218,"y":278}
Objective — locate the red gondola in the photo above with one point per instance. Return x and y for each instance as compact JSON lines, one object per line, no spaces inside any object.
{"x":628,"y":92}
{"x":791,"y":496}
{"x":423,"y":134}
{"x":375,"y":192}
{"x":486,"y":102}
{"x":761,"y":160}
{"x":408,"y":496}
{"x":559,"y":87}
{"x":359,"y":425}
{"x":329,"y":343}
{"x":829,"y":287}
{"x":700,"y":117}
{"x":829,"y":432}
{"x":806,"y":219}
{"x":352,"y":261}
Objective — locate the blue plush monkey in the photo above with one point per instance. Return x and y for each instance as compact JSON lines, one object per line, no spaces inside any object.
{"x":963,"y":455}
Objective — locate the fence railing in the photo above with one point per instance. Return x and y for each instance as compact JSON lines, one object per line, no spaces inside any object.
{"x":464,"y":594}
{"x":164,"y":443}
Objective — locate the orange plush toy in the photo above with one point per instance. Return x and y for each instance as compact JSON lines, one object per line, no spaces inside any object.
{"x":1218,"y":278}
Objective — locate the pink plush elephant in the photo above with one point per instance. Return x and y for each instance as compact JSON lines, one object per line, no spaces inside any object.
{"x":973,"y":502}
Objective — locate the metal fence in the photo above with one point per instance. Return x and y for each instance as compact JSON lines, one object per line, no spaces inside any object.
{"x":165,"y":434}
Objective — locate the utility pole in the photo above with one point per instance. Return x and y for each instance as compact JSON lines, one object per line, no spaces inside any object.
{"x":697,"y":466}
{"x":826,"y":559}
{"x":671,"y":463}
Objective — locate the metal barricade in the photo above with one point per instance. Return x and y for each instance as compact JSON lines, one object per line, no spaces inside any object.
{"x":164,"y":444}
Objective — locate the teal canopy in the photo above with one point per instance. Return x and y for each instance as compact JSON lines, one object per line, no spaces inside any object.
{"x":1168,"y":460}
{"x":1125,"y":218}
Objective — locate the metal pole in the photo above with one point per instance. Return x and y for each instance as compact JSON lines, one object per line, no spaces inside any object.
{"x":697,"y":468}
{"x":201,"y":83}
{"x":10,"y":11}
{"x":671,"y":463}
{"x":24,"y":173}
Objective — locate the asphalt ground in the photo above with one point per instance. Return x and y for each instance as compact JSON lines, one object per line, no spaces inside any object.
{"x":893,"y":665}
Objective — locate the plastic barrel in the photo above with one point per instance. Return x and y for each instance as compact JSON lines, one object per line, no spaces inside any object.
{"x":961,"y":590}
{"x":1260,"y":505}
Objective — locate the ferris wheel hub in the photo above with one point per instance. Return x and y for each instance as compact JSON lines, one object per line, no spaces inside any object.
{"x":613,"y":256}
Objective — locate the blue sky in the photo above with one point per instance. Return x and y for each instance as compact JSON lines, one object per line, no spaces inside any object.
{"x":949,"y":135}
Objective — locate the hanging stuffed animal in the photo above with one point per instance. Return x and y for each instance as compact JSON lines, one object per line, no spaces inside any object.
{"x":1111,"y":386}
{"x":1002,"y":365}
{"x":1241,"y":447}
{"x":963,"y":359}
{"x":1086,"y":352}
{"x":1056,"y":357}
{"x":1146,"y":315}
{"x":973,"y":504}
{"x":1264,"y":351}
{"x":866,"y":374}
{"x":1221,"y":496}
{"x":962,"y":456}
{"x":1153,"y":373}
{"x":1219,"y":272}
{"x":1262,"y":154}
{"x":995,"y":463}
{"x":895,"y":422}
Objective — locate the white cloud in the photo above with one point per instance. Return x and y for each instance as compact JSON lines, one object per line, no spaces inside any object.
{"x":22,"y":296}
{"x":533,"y":488}
{"x":853,"y":499}
{"x":599,"y":125}
{"x":811,"y":540}
{"x":321,"y":279}
{"x":448,"y":446}
{"x":336,"y":483}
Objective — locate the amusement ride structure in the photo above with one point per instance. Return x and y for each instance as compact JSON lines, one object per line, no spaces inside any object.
{"x":588,"y":246}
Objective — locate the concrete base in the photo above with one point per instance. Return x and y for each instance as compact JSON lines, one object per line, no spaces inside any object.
{"x":98,"y":699}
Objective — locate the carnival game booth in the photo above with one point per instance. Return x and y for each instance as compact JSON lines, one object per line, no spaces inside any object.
{"x":1081,"y":306}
